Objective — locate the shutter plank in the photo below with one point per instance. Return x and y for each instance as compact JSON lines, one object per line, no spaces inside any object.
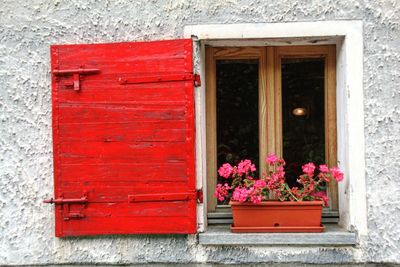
{"x":101,"y":193}
{"x":131,"y":172}
{"x":131,"y":225}
{"x":106,"y":113}
{"x":137,"y":151}
{"x":123,"y":132}
{"x":112,"y":92}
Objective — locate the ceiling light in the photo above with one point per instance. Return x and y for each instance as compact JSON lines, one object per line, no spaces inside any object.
{"x":299,"y":112}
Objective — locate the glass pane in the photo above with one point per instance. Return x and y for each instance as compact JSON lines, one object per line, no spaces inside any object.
{"x":237,"y":111}
{"x":302,"y":114}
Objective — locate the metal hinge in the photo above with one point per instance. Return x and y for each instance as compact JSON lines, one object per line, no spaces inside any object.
{"x":199,"y":193}
{"x":75,"y":76}
{"x":160,"y":197}
{"x":170,"y":77}
{"x":197,"y":80}
{"x":66,"y":202}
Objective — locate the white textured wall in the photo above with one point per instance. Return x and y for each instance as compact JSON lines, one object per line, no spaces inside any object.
{"x":27,"y":28}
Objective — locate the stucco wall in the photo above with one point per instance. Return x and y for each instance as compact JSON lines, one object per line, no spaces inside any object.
{"x":27,"y":28}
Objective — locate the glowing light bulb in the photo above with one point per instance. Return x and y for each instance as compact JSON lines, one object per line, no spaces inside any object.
{"x":299,"y":112}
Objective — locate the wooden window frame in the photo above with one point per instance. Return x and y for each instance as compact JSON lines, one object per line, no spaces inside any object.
{"x":270,"y":102}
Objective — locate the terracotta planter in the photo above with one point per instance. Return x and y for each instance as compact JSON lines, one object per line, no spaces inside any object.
{"x":277,"y":216}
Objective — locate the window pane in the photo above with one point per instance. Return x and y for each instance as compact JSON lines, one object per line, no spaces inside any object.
{"x":302,"y":114}
{"x":237,"y":111}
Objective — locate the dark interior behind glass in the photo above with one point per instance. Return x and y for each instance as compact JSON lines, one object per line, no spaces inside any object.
{"x":237,"y":111}
{"x":302,"y":114}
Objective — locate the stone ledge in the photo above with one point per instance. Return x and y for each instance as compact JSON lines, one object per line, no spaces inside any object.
{"x":333,"y":236}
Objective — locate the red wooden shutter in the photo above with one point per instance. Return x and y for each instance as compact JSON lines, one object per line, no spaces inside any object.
{"x":123,"y":134}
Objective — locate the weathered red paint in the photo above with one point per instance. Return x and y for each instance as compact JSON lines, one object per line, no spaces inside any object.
{"x":123,"y":138}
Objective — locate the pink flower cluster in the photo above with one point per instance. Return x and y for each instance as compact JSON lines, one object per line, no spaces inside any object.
{"x":308,"y":168}
{"x":272,"y":159}
{"x":321,"y":195}
{"x":337,"y":174}
{"x":245,"y":166}
{"x":225,"y":170}
{"x":240,"y":194}
{"x":222,"y":191}
{"x":247,"y":188}
{"x":276,"y":178}
{"x":255,"y":193}
{"x":323,"y":168}
{"x":259,"y":184}
{"x":255,"y":196}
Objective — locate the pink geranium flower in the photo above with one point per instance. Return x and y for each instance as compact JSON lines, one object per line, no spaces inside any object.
{"x":337,"y":174}
{"x":308,"y":168}
{"x":271,"y":159}
{"x":222,"y":191}
{"x":259,"y":183}
{"x":323,"y":168}
{"x":255,"y":196}
{"x":240,"y":194}
{"x":225,"y":170}
{"x":322,"y":196}
{"x":245,"y":166}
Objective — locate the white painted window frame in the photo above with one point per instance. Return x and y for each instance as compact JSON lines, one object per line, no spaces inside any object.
{"x":348,"y":37}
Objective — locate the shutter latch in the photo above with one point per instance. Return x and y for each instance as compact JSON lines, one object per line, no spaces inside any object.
{"x":75,"y":76}
{"x":66,"y":206}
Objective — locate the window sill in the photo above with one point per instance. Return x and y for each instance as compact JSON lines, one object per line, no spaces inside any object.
{"x":333,"y":236}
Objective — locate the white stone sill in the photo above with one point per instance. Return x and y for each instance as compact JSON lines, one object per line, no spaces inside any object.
{"x":333,"y":236}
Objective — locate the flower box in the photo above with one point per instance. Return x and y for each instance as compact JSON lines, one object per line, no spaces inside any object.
{"x":277,"y":216}
{"x":268,"y":203}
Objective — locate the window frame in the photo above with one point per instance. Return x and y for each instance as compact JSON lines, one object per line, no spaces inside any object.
{"x":348,"y":37}
{"x":270,"y":106}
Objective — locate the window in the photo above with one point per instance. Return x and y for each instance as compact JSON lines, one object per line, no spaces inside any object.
{"x":257,"y":90}
{"x":347,"y":36}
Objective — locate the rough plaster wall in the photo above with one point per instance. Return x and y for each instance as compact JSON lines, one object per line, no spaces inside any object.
{"x":27,"y":28}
